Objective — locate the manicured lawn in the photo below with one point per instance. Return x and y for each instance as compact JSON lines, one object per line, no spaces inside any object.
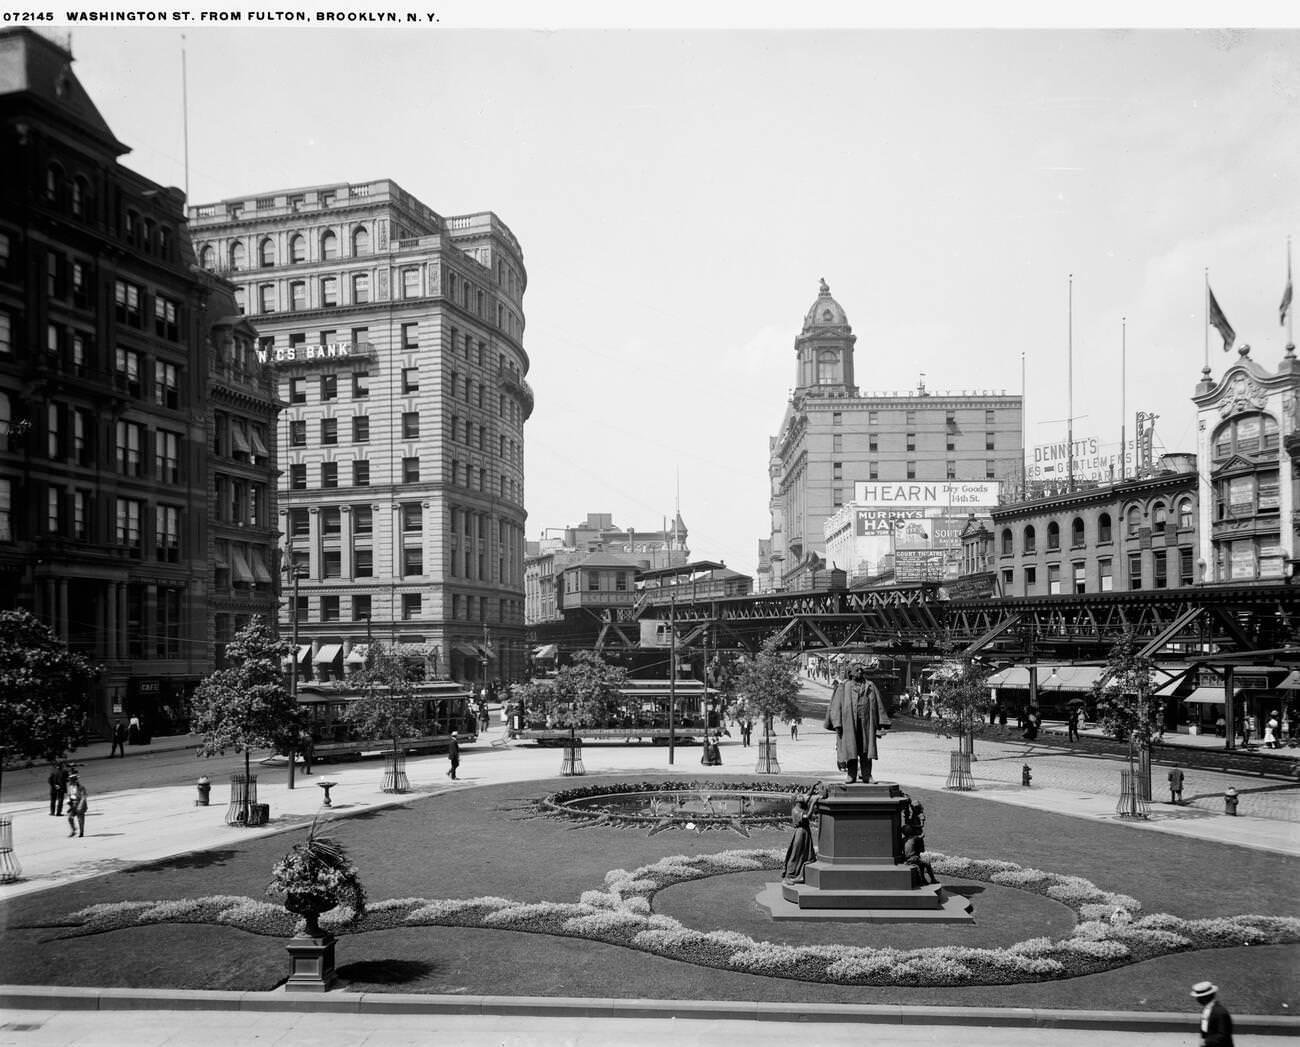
{"x":479,"y":842}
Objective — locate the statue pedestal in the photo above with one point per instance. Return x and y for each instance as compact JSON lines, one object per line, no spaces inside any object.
{"x":311,"y":963}
{"x":859,"y":873}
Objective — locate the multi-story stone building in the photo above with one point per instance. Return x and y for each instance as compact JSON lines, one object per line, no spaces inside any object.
{"x":637,"y":550}
{"x":104,"y":394}
{"x":397,"y":337}
{"x":1248,"y":441}
{"x":833,"y":435}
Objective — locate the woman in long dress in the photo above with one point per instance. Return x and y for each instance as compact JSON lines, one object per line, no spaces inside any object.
{"x":802,"y":850}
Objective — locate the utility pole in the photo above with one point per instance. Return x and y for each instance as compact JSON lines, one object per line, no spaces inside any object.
{"x":672,"y":673}
{"x":293,"y":668}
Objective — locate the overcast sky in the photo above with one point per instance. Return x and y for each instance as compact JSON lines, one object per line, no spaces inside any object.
{"x":679,"y":192}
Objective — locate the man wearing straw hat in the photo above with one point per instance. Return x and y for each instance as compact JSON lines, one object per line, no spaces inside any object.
{"x":1216,"y":1022}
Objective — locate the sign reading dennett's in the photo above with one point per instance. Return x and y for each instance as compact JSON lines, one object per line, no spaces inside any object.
{"x":326,"y":352}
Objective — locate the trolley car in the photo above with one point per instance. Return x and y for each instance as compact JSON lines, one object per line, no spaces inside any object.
{"x":641,"y":716}
{"x":442,"y":706}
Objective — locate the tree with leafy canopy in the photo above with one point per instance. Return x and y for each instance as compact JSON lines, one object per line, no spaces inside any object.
{"x":388,"y":708}
{"x":1124,"y":694}
{"x":246,"y":705}
{"x":584,"y":693}
{"x":44,"y":690}
{"x":962,"y":699}
{"x":767,"y":685}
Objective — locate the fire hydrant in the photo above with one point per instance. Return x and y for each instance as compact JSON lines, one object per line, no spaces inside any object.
{"x":1230,"y":801}
{"x":205,"y":789}
{"x":1025,"y":776}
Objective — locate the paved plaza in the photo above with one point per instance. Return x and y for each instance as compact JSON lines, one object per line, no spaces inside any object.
{"x":149,"y":823}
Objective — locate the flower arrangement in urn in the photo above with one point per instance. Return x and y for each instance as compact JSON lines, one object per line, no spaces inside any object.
{"x":315,"y":877}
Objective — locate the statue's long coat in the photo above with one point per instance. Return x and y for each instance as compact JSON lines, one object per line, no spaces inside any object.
{"x":858,"y":712}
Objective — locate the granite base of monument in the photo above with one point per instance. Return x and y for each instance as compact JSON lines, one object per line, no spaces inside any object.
{"x":860,"y":873}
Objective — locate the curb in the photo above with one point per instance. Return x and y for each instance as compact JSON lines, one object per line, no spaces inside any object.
{"x":45,"y":998}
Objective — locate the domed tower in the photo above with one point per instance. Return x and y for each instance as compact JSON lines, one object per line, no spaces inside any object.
{"x":825,"y":350}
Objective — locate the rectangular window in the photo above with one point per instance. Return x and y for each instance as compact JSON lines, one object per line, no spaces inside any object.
{"x":1080,"y":578}
{"x":332,"y":564}
{"x":911,"y":441}
{"x":360,"y":288}
{"x":360,"y":385}
{"x":126,"y":304}
{"x":410,"y":283}
{"x":1105,"y":570}
{"x":988,"y":442}
{"x":873,"y":443}
{"x":166,"y":385}
{"x":410,"y":606}
{"x":329,"y":430}
{"x":300,"y":609}
{"x":1031,"y":578}
{"x":1135,"y":571}
{"x":410,"y":425}
{"x":297,"y":390}
{"x":837,"y":418}
{"x":329,"y":608}
{"x":410,"y":470}
{"x":299,"y":523}
{"x":837,"y":470}
{"x":80,"y":514}
{"x":266,"y":297}
{"x":410,"y":336}
{"x":837,"y":496}
{"x":129,"y":512}
{"x":363,"y":563}
{"x":1160,"y":576}
{"x":990,"y":469}
{"x":329,"y":474}
{"x":873,"y":470}
{"x":164,"y":318}
{"x":53,"y":499}
{"x":298,"y":477}
{"x":130,"y":438}
{"x":361,"y":608}
{"x":412,"y":561}
{"x":329,"y":387}
{"x":951,"y":469}
{"x":126,"y":364}
{"x":1008,"y":581}
{"x":329,"y":291}
{"x":167,"y":456}
{"x":361,"y":473}
{"x":911,"y":470}
{"x":990,"y":417}
{"x":360,"y":429}
{"x":363,"y":519}
{"x":331,"y":521}
{"x":298,"y":296}
{"x":410,"y":380}
{"x":298,"y":434}
{"x":412,"y":517}
{"x":167,"y":533}
{"x":54,"y":432}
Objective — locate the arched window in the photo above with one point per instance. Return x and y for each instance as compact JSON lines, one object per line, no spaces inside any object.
{"x":1159,"y":518}
{"x":1053,"y":536}
{"x":1247,"y":434}
{"x":207,"y":257}
{"x":1134,"y":520}
{"x":267,"y":253}
{"x":1031,"y":542}
{"x":360,"y":240}
{"x":1007,"y":549}
{"x":329,"y":245}
{"x":1104,"y":528}
{"x":1185,"y":514}
{"x":1077,"y":538}
{"x":828,"y":368}
{"x":238,"y":258}
{"x":298,"y":248}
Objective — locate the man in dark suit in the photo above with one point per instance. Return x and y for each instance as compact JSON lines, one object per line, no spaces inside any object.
{"x":453,"y":755}
{"x":119,"y":741}
{"x":1216,"y":1022}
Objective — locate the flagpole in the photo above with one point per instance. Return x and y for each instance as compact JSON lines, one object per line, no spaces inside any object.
{"x":1206,"y":325}
{"x":1024,"y":470}
{"x":1069,"y":407}
{"x":1123,"y":390}
{"x":185,"y":113}
{"x":1290,"y":313}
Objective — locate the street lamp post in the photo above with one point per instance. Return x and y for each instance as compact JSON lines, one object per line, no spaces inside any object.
{"x":292,"y":566}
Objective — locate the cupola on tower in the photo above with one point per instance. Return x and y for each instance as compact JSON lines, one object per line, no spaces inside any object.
{"x":825,"y":349}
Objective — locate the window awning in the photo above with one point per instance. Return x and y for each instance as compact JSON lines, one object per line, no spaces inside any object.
{"x":1291,"y":683}
{"x":259,"y":448}
{"x":467,"y":649}
{"x":1206,"y":696}
{"x":357,"y":656}
{"x":218,"y":559}
{"x":1172,"y":684}
{"x":546,"y":650}
{"x":243,"y":573}
{"x":304,"y":652}
{"x":329,"y":652}
{"x":240,"y":441}
{"x":1012,"y":676}
{"x":259,"y":567}
{"x":1070,"y":677}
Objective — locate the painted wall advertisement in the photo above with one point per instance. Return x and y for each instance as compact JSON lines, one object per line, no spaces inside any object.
{"x":1093,"y":460}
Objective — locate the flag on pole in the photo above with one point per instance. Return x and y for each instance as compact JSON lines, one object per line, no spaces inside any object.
{"x":1220,"y":322}
{"x":1285,"y":307}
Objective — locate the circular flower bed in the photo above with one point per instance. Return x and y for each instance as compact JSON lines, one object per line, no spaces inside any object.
{"x":1110,"y":932}
{"x":674,"y":804}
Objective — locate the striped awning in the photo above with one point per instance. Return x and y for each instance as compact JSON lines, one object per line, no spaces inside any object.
{"x":1206,"y":696}
{"x":259,"y":447}
{"x":357,"y":656}
{"x":1070,"y":677}
{"x":240,"y":441}
{"x":329,"y":652}
{"x":259,"y":567}
{"x":243,"y":573}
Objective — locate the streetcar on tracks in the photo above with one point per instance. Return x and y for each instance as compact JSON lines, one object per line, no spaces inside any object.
{"x":641,"y":715}
{"x":441,"y":706}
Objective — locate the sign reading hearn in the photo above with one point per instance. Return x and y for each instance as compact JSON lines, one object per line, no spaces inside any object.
{"x":956,"y":494}
{"x":326,"y":352}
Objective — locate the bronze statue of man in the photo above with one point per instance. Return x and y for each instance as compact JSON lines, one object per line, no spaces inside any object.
{"x":856,"y":714}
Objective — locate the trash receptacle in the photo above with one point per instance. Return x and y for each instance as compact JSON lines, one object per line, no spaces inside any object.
{"x":205,"y":791}
{"x":259,"y":814}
